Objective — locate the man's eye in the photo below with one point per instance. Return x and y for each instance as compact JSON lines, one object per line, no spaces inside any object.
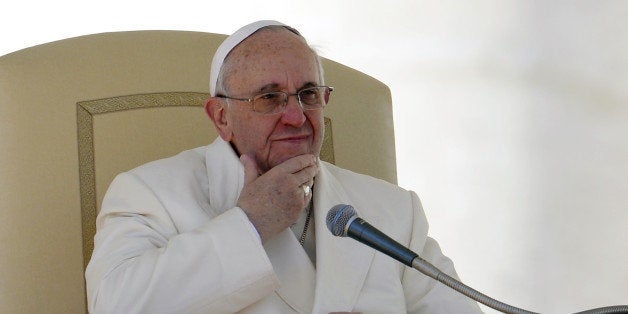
{"x":308,"y":93}
{"x":270,"y":96}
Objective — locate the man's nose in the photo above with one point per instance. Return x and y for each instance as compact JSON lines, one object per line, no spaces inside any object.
{"x":293,"y":114}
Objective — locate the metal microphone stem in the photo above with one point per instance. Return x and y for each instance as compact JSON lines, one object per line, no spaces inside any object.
{"x":430,"y":270}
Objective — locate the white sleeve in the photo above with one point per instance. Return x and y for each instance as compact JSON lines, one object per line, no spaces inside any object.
{"x":141,"y":263}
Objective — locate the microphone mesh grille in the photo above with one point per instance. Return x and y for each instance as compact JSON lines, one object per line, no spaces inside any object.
{"x":337,"y":218}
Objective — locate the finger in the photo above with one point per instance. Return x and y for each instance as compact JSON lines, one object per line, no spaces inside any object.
{"x":306,"y":175}
{"x":251,"y":171}
{"x":310,"y":183}
{"x":296,"y":164}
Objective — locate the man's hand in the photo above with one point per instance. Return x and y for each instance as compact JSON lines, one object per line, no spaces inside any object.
{"x":274,"y":200}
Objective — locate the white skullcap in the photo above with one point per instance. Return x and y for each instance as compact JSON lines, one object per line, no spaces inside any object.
{"x":230,"y":43}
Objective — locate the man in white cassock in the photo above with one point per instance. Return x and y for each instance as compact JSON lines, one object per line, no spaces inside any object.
{"x":239,"y":225}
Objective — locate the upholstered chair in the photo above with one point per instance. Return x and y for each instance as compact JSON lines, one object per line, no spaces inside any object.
{"x":75,"y":112}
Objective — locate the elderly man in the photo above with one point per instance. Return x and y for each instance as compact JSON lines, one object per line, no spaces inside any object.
{"x":239,"y":225}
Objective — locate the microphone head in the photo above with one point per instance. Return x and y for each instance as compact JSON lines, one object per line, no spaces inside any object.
{"x":338,"y":217}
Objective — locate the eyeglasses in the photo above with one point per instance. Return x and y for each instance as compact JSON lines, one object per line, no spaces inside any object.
{"x":310,"y":98}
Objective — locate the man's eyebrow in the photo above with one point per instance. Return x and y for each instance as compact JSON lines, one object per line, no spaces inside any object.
{"x":269,"y":87}
{"x":307,"y":85}
{"x":274,"y":87}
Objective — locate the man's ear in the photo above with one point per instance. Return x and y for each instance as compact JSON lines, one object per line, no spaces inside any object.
{"x":216,"y":111}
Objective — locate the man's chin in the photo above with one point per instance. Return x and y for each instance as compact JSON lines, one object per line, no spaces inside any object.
{"x":274,"y":161}
{"x":277,"y":161}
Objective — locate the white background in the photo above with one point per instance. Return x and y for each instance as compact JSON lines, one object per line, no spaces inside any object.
{"x":511,"y":120}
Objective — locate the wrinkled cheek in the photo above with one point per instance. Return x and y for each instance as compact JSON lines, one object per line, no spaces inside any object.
{"x":319,"y":135}
{"x":249,"y":147}
{"x":262,"y":153}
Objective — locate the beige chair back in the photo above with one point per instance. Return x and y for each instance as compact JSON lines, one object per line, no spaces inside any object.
{"x":76,"y":112}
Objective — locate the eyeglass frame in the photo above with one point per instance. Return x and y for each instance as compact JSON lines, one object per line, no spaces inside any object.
{"x":285,"y":103}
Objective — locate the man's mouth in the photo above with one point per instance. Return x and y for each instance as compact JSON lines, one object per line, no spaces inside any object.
{"x":293,"y":138}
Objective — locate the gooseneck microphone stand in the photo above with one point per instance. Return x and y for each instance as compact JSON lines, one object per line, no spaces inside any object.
{"x":431,"y":271}
{"x":343,"y":221}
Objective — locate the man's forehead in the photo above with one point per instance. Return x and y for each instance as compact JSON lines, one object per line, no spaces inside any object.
{"x":252,"y":78}
{"x":232,"y":41}
{"x":262,"y":64}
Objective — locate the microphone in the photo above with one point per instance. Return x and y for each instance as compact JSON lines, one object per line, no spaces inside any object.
{"x":343,"y":221}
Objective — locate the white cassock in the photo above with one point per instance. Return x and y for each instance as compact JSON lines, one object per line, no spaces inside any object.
{"x":170,"y":239}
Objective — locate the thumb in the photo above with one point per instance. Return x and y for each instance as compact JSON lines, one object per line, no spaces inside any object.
{"x":251,"y":171}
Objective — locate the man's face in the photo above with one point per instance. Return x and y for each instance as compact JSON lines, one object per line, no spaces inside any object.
{"x":272,"y":60}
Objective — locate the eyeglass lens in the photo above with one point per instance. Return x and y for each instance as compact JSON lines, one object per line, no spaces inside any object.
{"x":310,"y":98}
